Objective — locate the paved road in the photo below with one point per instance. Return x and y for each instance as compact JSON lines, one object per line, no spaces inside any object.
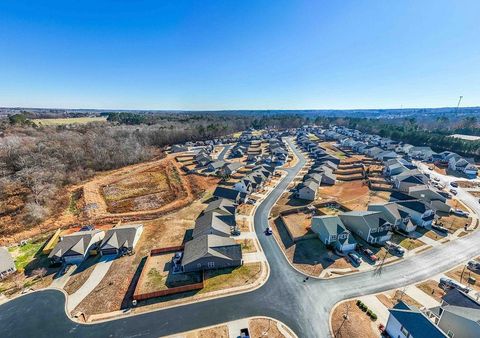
{"x":221,"y":156}
{"x":303,"y":306}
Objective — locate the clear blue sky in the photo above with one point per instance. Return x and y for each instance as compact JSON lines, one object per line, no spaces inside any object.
{"x":239,"y":54}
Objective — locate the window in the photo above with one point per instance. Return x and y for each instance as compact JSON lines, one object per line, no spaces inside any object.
{"x":333,"y":237}
{"x":404,"y":331}
{"x":450,"y":334}
{"x":211,"y":264}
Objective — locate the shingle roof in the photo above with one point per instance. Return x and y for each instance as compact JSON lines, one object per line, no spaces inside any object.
{"x":213,"y":221}
{"x":332,"y":224}
{"x":211,"y":245}
{"x":121,"y":236}
{"x":73,"y":244}
{"x":222,"y":205}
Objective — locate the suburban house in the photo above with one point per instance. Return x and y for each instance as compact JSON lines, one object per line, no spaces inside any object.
{"x":420,"y":213}
{"x":7,"y":264}
{"x":230,"y":169}
{"x":215,"y":166}
{"x":394,"y":167}
{"x":409,"y":178}
{"x":121,"y":239}
{"x":222,"y":206}
{"x":395,"y":216}
{"x":463,"y":165}
{"x":213,"y":223}
{"x":459,"y":315}
{"x":202,"y":159}
{"x":211,"y":252}
{"x":405,"y":321}
{"x":230,"y":194}
{"x":437,"y":201}
{"x":308,"y":190}
{"x":332,"y":232}
{"x":371,"y":226}
{"x":176,"y":148}
{"x":75,"y":248}
{"x":421,"y":153}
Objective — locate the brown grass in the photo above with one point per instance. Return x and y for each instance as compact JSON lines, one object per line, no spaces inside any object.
{"x":214,"y":332}
{"x":263,"y":327}
{"x":298,"y":223}
{"x":431,"y":288}
{"x":461,"y":274}
{"x":390,"y":300}
{"x":357,"y":324}
{"x":453,"y":222}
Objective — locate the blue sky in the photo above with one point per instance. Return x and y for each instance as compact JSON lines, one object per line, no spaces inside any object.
{"x":239,"y":54}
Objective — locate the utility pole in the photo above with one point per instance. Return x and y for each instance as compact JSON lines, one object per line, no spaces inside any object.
{"x":458,"y":104}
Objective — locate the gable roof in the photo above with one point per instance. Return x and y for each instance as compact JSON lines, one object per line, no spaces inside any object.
{"x":415,"y":322}
{"x":332,"y":224}
{"x":228,"y":193}
{"x":74,"y":244}
{"x":221,"y":205}
{"x":211,"y":245}
{"x":121,"y":236}
{"x":213,"y":221}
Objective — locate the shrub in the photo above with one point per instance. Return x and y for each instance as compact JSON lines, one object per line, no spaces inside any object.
{"x":373,"y":316}
{"x":359,"y":303}
{"x":363,"y":307}
{"x":369,"y":312}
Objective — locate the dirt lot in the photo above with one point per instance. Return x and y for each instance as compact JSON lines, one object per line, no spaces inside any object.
{"x":468,"y":184}
{"x":432,"y":234}
{"x":357,"y":323}
{"x":287,"y":201}
{"x":245,"y":209}
{"x":214,"y":332}
{"x":453,"y":222}
{"x":475,"y":193}
{"x":263,"y":327}
{"x":353,"y":194}
{"x":462,"y":274}
{"x":390,"y":299}
{"x":454,"y":203}
{"x":298,"y":224}
{"x":310,"y":255}
{"x":431,"y":288}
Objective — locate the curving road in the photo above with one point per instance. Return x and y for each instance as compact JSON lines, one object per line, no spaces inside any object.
{"x":303,"y":306}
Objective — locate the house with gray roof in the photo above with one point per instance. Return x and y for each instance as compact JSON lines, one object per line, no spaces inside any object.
{"x":409,"y":178}
{"x":7,"y":264}
{"x":371,"y":226}
{"x":308,"y":190}
{"x":230,"y":194}
{"x":437,"y":201}
{"x":395,"y":216}
{"x":420,"y":213}
{"x":75,"y":248}
{"x":230,"y":168}
{"x":121,"y":239}
{"x":332,"y":232}
{"x":211,"y":252}
{"x":222,"y":206}
{"x":215,"y":223}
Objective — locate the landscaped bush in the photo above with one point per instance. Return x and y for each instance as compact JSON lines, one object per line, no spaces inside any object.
{"x":373,"y":316}
{"x":363,"y":307}
{"x":369,"y":312}
{"x":359,"y":302}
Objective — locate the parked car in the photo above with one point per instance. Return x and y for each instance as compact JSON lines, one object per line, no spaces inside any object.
{"x":354,"y":258}
{"x":244,"y":333}
{"x":451,"y":284}
{"x":368,"y":253}
{"x":453,"y":191}
{"x":460,"y":212}
{"x":394,"y":248}
{"x":439,"y":227}
{"x":454,"y":184}
{"x":473,"y":266}
{"x":436,"y":179}
{"x":268,"y":231}
{"x":251,"y":202}
{"x":177,"y":257}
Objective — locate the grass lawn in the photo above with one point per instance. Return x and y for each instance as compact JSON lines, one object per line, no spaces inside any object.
{"x":407,"y":243}
{"x":228,"y":278}
{"x":25,"y":254}
{"x":71,"y":120}
{"x":248,"y":245}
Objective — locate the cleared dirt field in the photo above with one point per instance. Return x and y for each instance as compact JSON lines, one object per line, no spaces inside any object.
{"x":391,"y":299}
{"x":353,"y":194}
{"x":214,"y":332}
{"x":71,"y":120}
{"x":461,"y":274}
{"x":263,"y":327}
{"x":298,"y":224}
{"x":453,"y":222}
{"x":431,"y":288}
{"x":468,"y":184}
{"x":356,"y":324}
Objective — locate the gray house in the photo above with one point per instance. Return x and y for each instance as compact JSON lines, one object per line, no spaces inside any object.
{"x":371,"y":226}
{"x":7,"y":264}
{"x":211,"y":252}
{"x":308,"y":190}
{"x":121,"y":239}
{"x":331,"y":231}
{"x":222,"y":206}
{"x":420,"y":213}
{"x":213,"y":223}
{"x":74,"y":248}
{"x":395,"y":216}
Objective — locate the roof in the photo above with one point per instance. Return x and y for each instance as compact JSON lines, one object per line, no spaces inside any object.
{"x":121,"y":236}
{"x":211,"y":245}
{"x":415,"y":322}
{"x":372,"y":219}
{"x":332,"y":224}
{"x":456,"y":297}
{"x":415,"y":205}
{"x":221,"y":205}
{"x":6,"y":259}
{"x":74,"y":244}
{"x":233,"y":166}
{"x":465,"y":312}
{"x":390,"y":211}
{"x":213,"y":221}
{"x":228,"y":193}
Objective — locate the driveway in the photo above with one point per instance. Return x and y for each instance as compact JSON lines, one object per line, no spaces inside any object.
{"x":101,"y":269}
{"x":303,"y":306}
